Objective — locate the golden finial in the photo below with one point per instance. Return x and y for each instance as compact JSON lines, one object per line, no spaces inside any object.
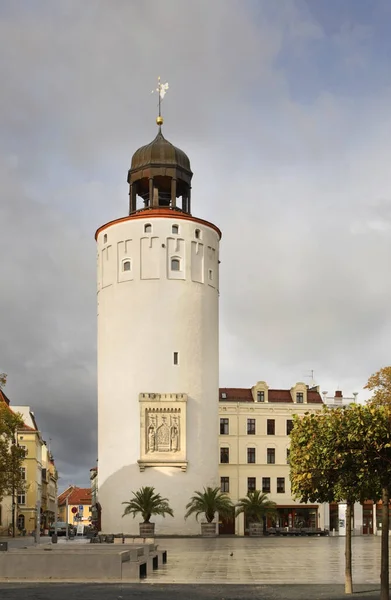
{"x":161,"y":90}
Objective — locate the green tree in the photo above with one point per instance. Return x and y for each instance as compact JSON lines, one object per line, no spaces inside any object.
{"x":3,"y":380}
{"x":256,"y":506}
{"x":11,"y":457}
{"x":380,"y":384}
{"x":208,"y":503}
{"x":326,"y":466}
{"x":147,"y":503}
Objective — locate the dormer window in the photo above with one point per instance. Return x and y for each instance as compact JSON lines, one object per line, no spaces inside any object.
{"x":175,"y":264}
{"x":175,"y":229}
{"x":148,"y":228}
{"x":299,"y":398}
{"x":127,"y":265}
{"x":223,"y":395}
{"x":260,"y":396}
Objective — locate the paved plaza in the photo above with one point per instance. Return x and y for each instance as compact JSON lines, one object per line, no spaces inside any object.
{"x":262,"y":568}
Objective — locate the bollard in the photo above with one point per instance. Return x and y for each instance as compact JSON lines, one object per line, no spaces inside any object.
{"x":54,"y":538}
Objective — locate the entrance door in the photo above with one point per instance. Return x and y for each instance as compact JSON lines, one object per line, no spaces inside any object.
{"x":227,"y":525}
{"x":367,"y":523}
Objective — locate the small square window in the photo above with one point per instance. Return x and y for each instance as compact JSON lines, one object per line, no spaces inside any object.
{"x":250,"y":426}
{"x":280,"y":485}
{"x":224,"y":455}
{"x":223,"y":395}
{"x":271,"y":456}
{"x":224,"y":426}
{"x":176,"y":358}
{"x":148,"y":228}
{"x":299,"y":397}
{"x":251,"y":455}
{"x":224,"y":484}
{"x":251,"y":484}
{"x":271,"y":427}
{"x":266,"y":485}
{"x":175,"y":264}
{"x":126,"y":265}
{"x":175,"y":229}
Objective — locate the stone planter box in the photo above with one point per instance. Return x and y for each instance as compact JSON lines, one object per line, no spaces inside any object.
{"x":208,"y":529}
{"x":255,"y":529}
{"x":147,"y":530}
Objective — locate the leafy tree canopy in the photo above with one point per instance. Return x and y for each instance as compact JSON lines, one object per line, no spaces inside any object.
{"x":255,"y":506}
{"x":11,"y":455}
{"x":209,"y":502}
{"x":147,"y":503}
{"x":380,"y":384}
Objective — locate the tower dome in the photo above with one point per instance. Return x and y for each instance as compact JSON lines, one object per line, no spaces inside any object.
{"x":159,"y":174}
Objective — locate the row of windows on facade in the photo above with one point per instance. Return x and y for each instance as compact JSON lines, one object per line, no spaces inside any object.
{"x":251,"y":426}
{"x":252,"y":484}
{"x":251,"y":456}
{"x":174,"y":230}
{"x":261,"y":396}
{"x":175,"y":266}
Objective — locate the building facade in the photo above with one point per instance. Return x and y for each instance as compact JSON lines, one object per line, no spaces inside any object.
{"x":158,"y":282}
{"x":79,"y":509}
{"x":254,"y":450}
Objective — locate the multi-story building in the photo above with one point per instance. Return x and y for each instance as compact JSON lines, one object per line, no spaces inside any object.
{"x":79,"y":506}
{"x":40,"y":475}
{"x":254,"y":450}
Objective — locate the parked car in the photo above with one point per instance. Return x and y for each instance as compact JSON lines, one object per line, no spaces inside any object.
{"x":62,"y":529}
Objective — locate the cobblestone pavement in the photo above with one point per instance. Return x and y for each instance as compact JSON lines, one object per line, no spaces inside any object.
{"x":318,"y":560}
{"x":262,"y":568}
{"x":182,"y":592}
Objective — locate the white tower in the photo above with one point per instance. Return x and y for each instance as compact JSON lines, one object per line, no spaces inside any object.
{"x":158,"y":361}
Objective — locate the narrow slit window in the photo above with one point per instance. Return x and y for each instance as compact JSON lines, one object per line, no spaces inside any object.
{"x":127,"y":265}
{"x":175,"y":229}
{"x":210,"y":275}
{"x":105,"y":238}
{"x":197,"y":234}
{"x":175,"y":264}
{"x":148,"y":228}
{"x":176,"y":358}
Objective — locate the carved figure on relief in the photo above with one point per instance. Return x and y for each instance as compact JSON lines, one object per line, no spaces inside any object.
{"x":174,"y":435}
{"x":151,"y":436}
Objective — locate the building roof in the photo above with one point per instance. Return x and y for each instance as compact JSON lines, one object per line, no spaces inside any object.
{"x":75,"y":495}
{"x":160,"y":152}
{"x":15,"y":410}
{"x":274,"y":396}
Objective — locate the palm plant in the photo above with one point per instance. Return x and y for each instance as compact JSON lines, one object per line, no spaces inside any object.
{"x":209,"y":502}
{"x":256,"y":506}
{"x":147,"y":503}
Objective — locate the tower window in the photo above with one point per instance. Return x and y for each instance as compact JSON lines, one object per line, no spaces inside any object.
{"x":175,"y":229}
{"x":105,"y":238}
{"x":175,"y":264}
{"x":148,"y":228}
{"x":127,"y":265}
{"x":176,"y":358}
{"x":210,"y":275}
{"x":197,"y":234}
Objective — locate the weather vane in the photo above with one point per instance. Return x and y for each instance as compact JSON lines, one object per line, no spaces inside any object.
{"x":161,"y":90}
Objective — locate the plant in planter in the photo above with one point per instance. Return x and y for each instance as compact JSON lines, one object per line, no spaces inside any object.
{"x":208,"y":503}
{"x":147,"y":503}
{"x":257,"y":507}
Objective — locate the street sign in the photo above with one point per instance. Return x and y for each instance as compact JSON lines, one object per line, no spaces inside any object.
{"x":81,"y":508}
{"x":74,"y":510}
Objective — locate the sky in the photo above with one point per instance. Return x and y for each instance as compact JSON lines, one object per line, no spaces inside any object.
{"x":284,"y":110}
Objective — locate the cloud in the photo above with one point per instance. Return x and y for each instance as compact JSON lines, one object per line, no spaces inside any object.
{"x":293,"y":170}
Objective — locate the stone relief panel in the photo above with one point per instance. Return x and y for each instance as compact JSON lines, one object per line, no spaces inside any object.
{"x":163,"y":430}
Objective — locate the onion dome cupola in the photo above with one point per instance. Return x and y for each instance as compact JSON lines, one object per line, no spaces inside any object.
{"x":159,"y":174}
